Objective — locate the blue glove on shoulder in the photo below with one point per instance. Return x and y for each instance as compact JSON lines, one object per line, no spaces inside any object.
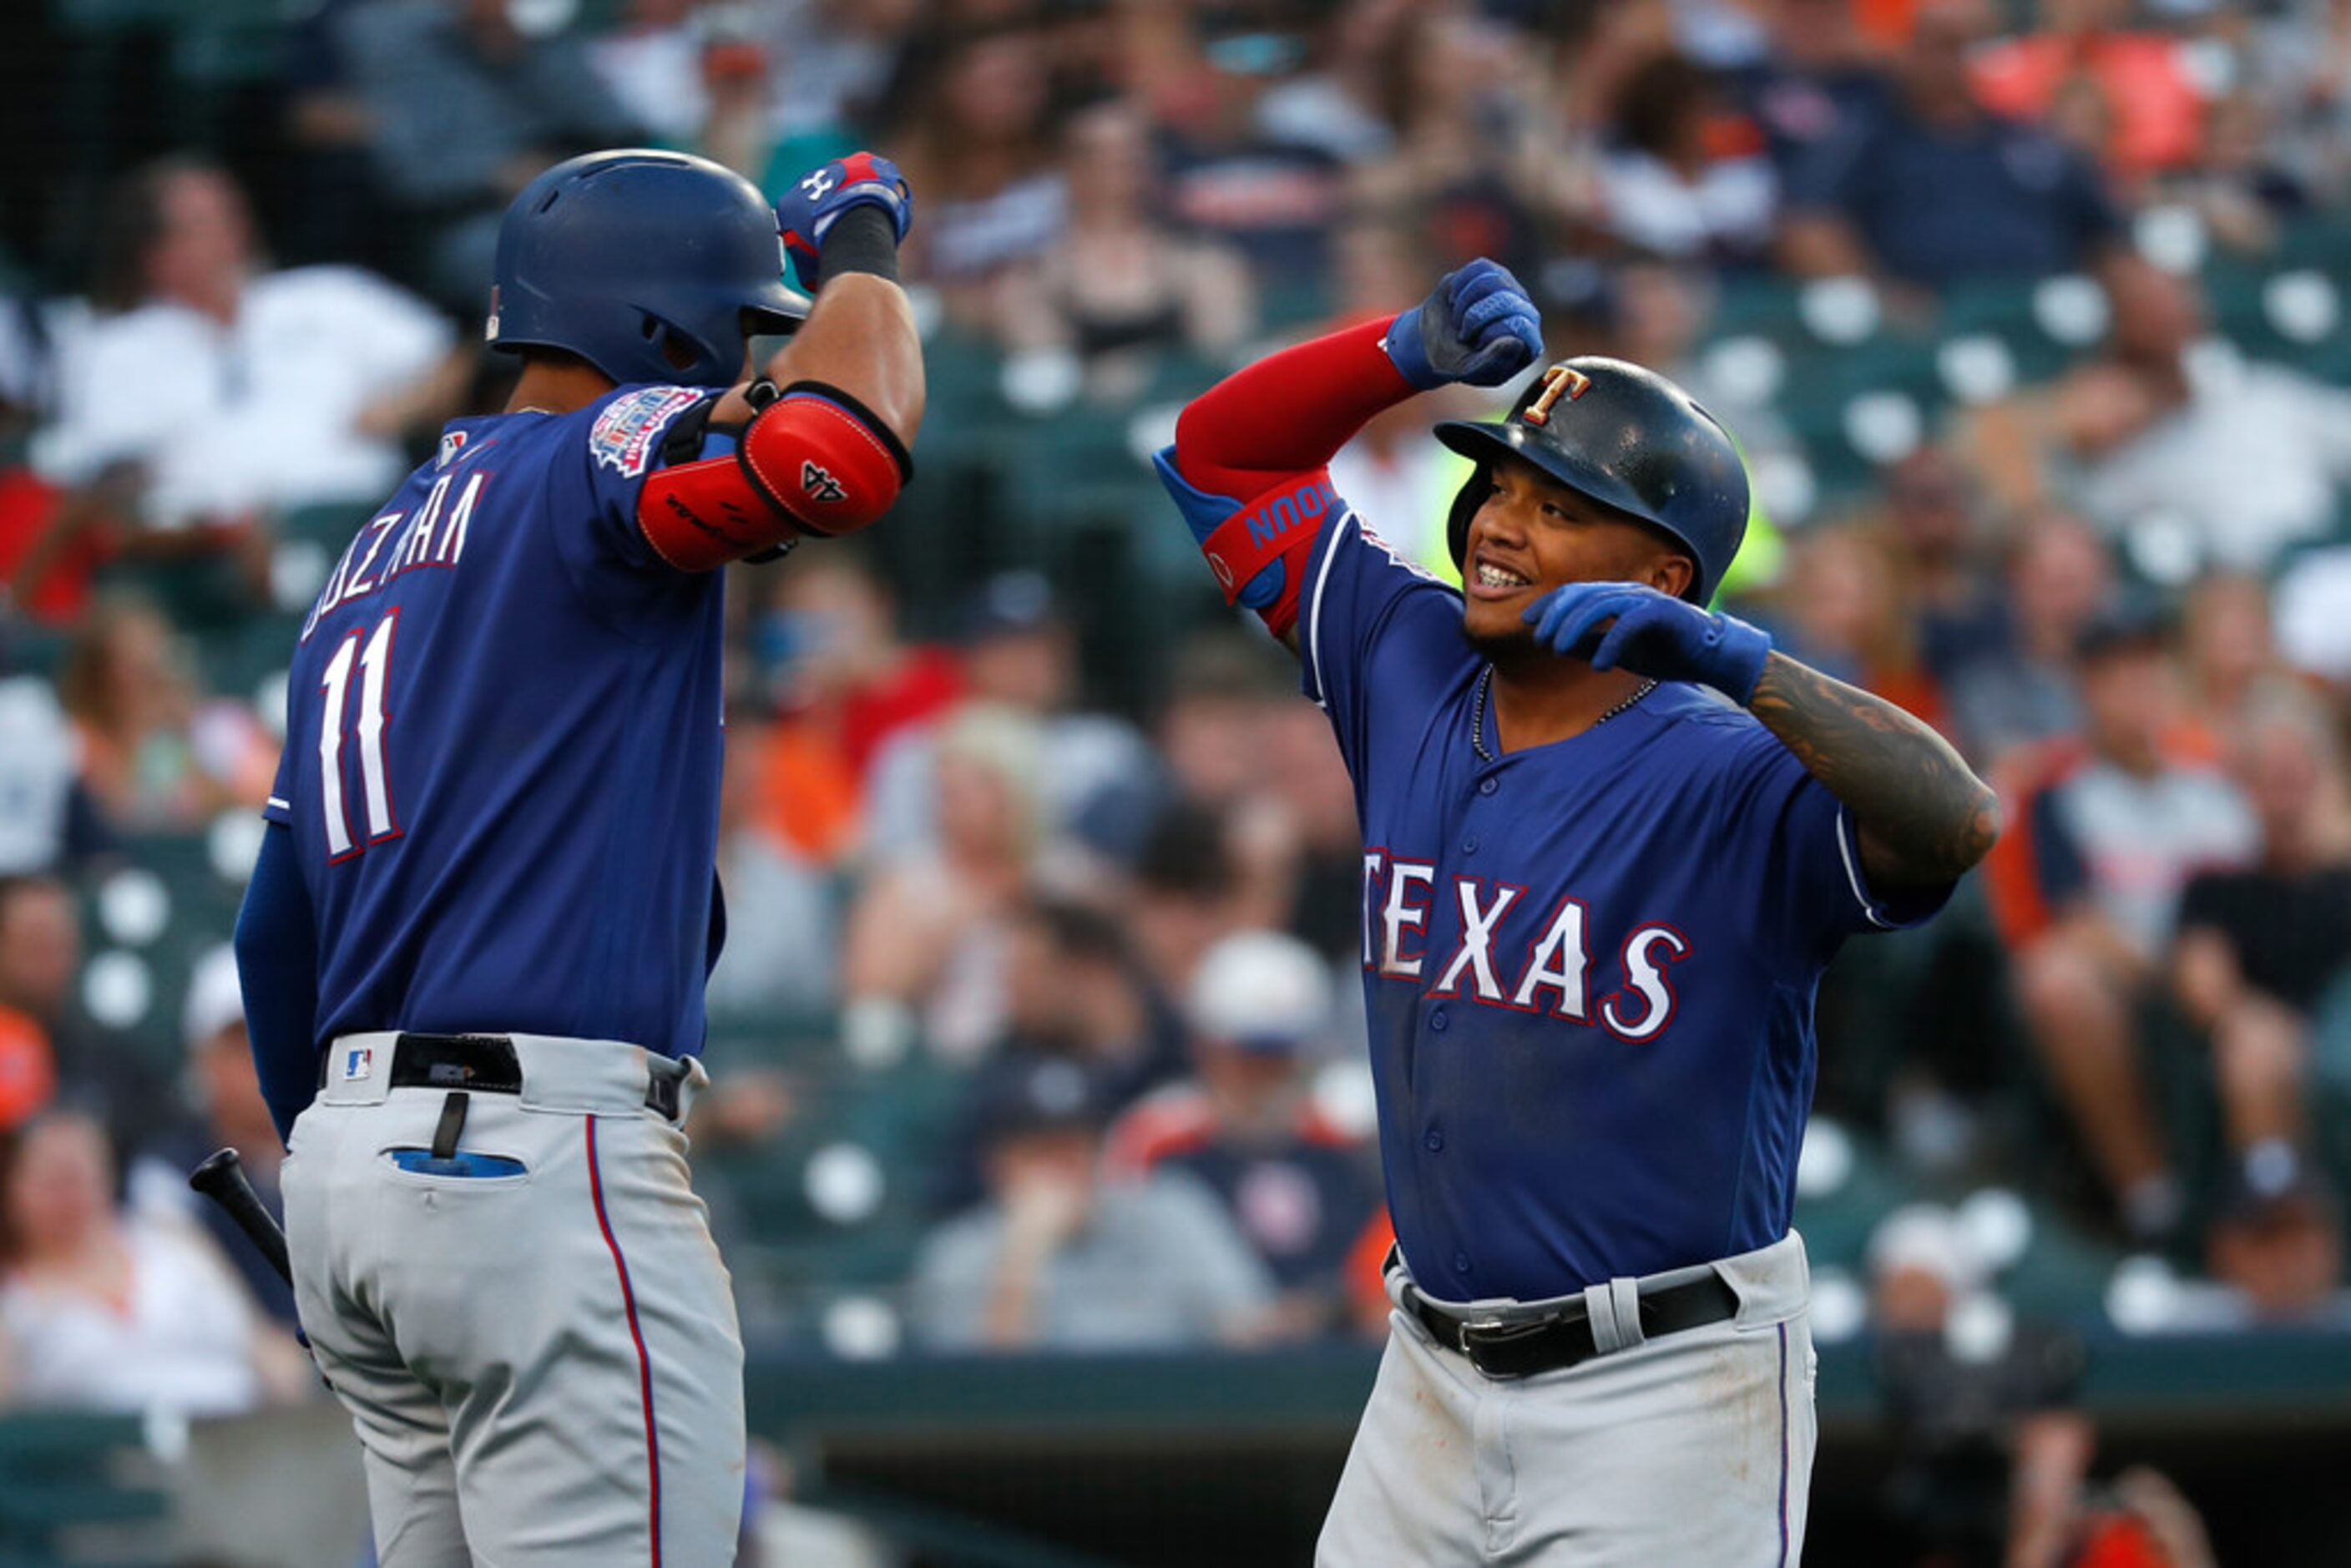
{"x":1652,"y":634}
{"x":1477,"y":325}
{"x":808,"y":207}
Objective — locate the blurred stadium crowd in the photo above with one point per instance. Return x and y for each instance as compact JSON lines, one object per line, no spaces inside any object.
{"x":1035,"y":1024}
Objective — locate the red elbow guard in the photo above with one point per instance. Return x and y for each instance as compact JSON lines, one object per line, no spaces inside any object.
{"x":821,"y":456}
{"x":1279,"y":525}
{"x":815,"y":461}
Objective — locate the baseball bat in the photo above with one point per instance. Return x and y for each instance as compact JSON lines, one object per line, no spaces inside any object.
{"x":222,"y":1178}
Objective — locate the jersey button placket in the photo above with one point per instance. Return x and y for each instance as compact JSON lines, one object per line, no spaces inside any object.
{"x":1437,"y":1020}
{"x":1434,"y":1141}
{"x":1488,"y":785}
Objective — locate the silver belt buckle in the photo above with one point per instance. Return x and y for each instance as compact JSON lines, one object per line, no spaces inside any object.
{"x":1479,"y":1334}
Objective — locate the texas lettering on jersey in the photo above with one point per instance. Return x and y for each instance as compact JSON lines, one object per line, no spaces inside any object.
{"x":1552,"y":970}
{"x":1588,"y":966}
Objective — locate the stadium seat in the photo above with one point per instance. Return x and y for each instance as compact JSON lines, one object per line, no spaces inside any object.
{"x":60,"y":1473}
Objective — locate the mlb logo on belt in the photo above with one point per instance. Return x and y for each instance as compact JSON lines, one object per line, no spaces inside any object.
{"x":358,"y":1062}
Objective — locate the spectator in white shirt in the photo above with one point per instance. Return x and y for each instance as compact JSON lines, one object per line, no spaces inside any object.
{"x":100,"y":1310}
{"x":2166,"y":426}
{"x":1665,"y":190}
{"x":233,"y":388}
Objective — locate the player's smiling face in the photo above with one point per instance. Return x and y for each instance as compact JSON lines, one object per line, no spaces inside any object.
{"x":1533,"y":534}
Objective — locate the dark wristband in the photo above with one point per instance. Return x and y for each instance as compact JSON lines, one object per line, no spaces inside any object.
{"x":863,"y":239}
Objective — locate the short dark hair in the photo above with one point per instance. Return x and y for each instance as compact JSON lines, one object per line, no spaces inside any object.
{"x":129,"y":221}
{"x":1080,"y":931}
{"x":1186,"y":856}
{"x":1656,"y":100}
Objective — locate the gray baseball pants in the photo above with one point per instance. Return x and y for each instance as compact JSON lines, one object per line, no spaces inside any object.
{"x":1693,"y":1448}
{"x":543,"y":1368}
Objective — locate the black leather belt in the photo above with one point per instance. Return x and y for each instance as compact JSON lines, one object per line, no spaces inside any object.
{"x":1523,"y":1347}
{"x":487,"y":1063}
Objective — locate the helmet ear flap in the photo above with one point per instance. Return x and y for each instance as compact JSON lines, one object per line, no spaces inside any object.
{"x":1456,"y":522}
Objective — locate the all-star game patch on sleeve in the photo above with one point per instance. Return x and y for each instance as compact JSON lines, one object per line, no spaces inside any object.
{"x":624,"y":438}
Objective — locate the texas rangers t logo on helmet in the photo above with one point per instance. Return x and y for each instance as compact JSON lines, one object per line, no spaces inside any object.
{"x":1557,"y":380}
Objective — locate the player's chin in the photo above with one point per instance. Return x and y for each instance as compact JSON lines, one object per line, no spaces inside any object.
{"x":1494,"y":627}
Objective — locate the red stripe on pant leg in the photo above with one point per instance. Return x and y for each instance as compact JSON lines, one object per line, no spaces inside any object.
{"x":644,"y":1362}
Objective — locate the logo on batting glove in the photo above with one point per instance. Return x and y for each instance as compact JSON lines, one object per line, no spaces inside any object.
{"x":811,"y":204}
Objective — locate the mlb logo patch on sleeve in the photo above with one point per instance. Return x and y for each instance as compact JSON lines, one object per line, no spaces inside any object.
{"x":623,"y":436}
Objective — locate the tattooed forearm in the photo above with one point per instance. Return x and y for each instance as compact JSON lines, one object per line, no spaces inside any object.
{"x":1922,"y":817}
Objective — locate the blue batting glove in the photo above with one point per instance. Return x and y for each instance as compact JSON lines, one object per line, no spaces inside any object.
{"x":1477,"y":325}
{"x":1651,"y":634}
{"x":809,"y":206}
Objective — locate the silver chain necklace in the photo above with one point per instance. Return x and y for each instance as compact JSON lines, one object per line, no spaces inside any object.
{"x":1486,"y":685}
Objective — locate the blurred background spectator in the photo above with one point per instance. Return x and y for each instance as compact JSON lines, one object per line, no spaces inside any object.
{"x":97,"y":1070}
{"x":1018,"y":650}
{"x":1930,"y":186}
{"x":227,"y":387}
{"x":225,"y":1094}
{"x":1060,"y":1256}
{"x":2110,"y":836}
{"x":106,"y":1310}
{"x":1248,"y":1126}
{"x":924,"y":951}
{"x":1994,"y":1457}
{"x":1120,"y":281}
{"x":153,"y":753}
{"x":466,"y":102}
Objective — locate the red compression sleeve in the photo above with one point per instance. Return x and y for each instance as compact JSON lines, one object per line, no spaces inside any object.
{"x":1288,"y":413}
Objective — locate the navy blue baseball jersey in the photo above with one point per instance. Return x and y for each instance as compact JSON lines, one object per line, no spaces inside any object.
{"x":1589,"y":966}
{"x":503,"y":744}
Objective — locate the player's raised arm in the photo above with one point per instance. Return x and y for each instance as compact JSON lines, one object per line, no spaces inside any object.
{"x":821,"y":445}
{"x":842,"y":225}
{"x":1247,"y":468}
{"x":1922,"y":818}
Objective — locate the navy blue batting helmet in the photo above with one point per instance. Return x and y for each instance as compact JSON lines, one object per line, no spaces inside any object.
{"x":1628,"y":439}
{"x":651,"y":267}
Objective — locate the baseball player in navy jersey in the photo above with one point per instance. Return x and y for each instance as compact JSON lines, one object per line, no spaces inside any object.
{"x":1610,"y":840}
{"x":474,"y":947}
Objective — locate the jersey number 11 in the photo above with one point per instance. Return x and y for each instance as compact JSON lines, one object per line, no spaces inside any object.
{"x":371,"y":651}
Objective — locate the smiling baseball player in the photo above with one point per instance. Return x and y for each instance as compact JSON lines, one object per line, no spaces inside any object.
{"x":484,"y":905}
{"x":1610,"y":841}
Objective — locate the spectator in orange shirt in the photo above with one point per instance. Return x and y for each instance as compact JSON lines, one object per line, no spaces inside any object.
{"x":832,"y":663}
{"x":28,"y":1075}
{"x":2154,"y":117}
